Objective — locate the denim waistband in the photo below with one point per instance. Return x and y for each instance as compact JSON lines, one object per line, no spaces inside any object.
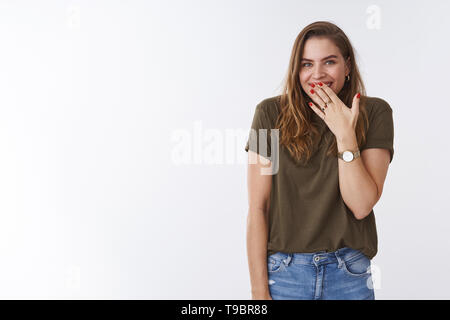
{"x":319,"y":257}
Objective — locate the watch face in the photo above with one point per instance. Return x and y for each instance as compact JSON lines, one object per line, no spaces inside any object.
{"x":347,"y":156}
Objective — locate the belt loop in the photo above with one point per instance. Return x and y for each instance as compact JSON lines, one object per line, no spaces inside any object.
{"x":338,"y":258}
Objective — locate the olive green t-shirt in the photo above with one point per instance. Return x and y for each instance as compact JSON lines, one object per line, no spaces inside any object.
{"x":307,"y":213}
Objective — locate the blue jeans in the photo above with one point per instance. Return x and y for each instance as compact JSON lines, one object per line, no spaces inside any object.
{"x":341,"y":275}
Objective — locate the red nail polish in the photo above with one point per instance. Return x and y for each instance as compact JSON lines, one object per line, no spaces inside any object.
{"x":320,"y":84}
{"x":310,"y":104}
{"x":358,"y":95}
{"x":312,"y":91}
{"x":312,"y":85}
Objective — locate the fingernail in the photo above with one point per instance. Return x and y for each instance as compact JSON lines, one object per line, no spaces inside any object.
{"x":320,"y":84}
{"x":310,"y":104}
{"x":358,"y":95}
{"x":312,"y":85}
{"x":312,"y":91}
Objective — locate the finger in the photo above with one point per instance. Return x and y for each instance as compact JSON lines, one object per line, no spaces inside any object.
{"x":355,"y":104}
{"x":316,"y":97}
{"x":318,"y":111}
{"x":330,"y":93}
{"x":323,"y":96}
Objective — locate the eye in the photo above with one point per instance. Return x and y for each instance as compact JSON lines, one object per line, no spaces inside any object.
{"x":332,"y":62}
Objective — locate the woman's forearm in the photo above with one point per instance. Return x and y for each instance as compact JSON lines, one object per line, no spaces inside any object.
{"x":357,"y":187}
{"x":257,"y":233}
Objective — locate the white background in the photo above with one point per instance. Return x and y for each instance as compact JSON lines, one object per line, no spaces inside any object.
{"x":93,"y":202}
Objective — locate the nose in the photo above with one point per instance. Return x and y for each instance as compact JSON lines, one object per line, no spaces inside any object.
{"x":318,"y":72}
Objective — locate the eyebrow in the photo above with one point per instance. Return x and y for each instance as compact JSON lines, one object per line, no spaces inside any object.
{"x":330,"y":56}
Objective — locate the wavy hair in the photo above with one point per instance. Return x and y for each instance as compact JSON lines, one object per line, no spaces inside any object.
{"x":298,"y":130}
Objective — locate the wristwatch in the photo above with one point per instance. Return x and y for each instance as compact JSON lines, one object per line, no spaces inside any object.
{"x":348,"y":156}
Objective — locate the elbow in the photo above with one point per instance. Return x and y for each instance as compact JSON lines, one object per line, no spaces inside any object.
{"x":359,"y":215}
{"x":363,"y":212}
{"x":360,"y":212}
{"x":362,"y":209}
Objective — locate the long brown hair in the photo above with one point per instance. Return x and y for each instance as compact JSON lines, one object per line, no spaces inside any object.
{"x":298,"y":129}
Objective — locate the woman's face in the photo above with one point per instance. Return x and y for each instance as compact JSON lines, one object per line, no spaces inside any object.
{"x":322,"y":62}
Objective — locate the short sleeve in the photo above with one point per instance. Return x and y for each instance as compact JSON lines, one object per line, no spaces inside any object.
{"x":381,"y":128}
{"x":259,"y":136}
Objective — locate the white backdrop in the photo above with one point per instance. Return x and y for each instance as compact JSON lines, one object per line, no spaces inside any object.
{"x":122,"y":134}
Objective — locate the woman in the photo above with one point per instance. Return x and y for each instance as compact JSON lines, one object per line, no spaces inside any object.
{"x":311,"y":231}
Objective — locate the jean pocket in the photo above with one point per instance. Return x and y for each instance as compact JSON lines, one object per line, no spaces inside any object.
{"x":357,"y":266}
{"x":275,"y":263}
